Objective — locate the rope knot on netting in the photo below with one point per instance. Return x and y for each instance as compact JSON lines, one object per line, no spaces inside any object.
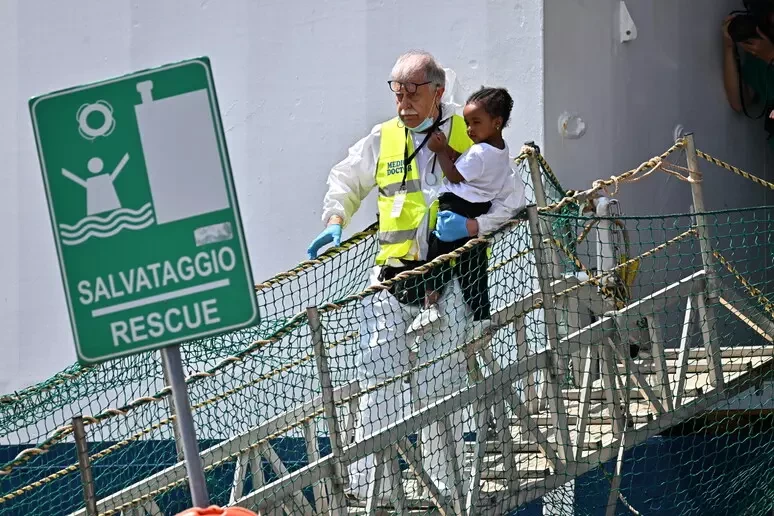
{"x":528,"y":150}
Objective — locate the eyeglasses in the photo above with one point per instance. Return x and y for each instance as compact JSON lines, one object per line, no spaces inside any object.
{"x":408,"y":87}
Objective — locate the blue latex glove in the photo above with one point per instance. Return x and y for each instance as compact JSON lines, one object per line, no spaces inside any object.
{"x":450,"y":226}
{"x":331,"y":234}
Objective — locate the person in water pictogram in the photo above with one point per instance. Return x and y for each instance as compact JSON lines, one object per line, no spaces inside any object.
{"x":101,"y":193}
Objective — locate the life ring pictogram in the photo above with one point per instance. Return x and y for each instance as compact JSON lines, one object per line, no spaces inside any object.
{"x":108,"y":123}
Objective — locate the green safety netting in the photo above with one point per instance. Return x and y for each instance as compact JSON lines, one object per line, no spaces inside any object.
{"x":637,"y":390}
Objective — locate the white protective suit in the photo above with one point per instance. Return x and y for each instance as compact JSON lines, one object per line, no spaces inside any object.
{"x":384,"y":350}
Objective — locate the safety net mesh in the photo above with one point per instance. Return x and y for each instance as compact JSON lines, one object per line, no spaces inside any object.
{"x":577,"y":361}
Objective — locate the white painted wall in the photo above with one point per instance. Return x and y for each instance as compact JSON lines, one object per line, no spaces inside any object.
{"x":298,"y":82}
{"x":633,"y":94}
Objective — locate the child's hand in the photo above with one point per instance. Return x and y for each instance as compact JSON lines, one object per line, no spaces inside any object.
{"x":437,"y":142}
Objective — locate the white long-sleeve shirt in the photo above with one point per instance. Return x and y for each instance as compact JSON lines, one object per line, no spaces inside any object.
{"x":352,"y":179}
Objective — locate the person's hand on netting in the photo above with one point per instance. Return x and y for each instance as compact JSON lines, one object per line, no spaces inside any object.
{"x":331,"y":234}
{"x":437,"y":142}
{"x":451,"y":226}
{"x":760,"y":47}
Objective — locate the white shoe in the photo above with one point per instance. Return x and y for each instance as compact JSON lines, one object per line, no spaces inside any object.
{"x":428,"y":319}
{"x":478,"y":328}
{"x":413,"y":345}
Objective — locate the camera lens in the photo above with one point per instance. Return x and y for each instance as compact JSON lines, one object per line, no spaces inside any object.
{"x":743,"y":27}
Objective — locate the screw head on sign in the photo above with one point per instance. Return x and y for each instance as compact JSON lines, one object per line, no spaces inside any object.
{"x":214,"y":510}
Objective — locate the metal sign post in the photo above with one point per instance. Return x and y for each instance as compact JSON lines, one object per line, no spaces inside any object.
{"x":84,"y":465}
{"x":185,"y":427}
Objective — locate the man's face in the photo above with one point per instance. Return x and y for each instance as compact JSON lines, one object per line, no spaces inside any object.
{"x":414,"y":107}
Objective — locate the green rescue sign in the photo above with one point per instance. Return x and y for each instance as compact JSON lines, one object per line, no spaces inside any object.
{"x":144,"y":211}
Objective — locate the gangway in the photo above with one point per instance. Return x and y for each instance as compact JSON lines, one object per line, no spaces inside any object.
{"x":531,"y":435}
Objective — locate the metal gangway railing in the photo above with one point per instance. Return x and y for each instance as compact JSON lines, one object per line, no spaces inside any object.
{"x":539,"y":421}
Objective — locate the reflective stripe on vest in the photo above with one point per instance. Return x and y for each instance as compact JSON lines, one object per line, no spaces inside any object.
{"x":396,"y":235}
{"x":411,"y":186}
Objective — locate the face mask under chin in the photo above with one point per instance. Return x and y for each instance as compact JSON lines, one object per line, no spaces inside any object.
{"x":427,"y":123}
{"x":423,"y":126}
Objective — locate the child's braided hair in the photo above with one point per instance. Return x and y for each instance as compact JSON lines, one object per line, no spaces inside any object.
{"x":495,"y":101}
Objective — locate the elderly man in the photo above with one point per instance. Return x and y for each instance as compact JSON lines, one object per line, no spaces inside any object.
{"x":395,"y":157}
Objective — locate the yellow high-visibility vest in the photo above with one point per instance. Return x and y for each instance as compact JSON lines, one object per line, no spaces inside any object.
{"x":396,"y":235}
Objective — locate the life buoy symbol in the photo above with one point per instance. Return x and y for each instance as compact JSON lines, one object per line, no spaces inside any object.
{"x":108,"y":122}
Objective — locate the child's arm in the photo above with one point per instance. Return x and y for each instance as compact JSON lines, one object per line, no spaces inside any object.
{"x":439,"y":145}
{"x":453,"y":154}
{"x":449,"y":169}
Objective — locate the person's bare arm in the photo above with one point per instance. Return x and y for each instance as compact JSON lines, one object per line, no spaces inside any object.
{"x":453,"y":154}
{"x":731,"y":80}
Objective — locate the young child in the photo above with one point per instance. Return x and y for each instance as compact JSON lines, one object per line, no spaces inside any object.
{"x":470,"y":186}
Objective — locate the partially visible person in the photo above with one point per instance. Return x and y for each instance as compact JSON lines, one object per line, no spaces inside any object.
{"x":748,"y":76}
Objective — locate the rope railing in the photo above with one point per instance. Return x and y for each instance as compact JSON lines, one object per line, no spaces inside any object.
{"x":635,"y":174}
{"x":56,"y":380}
{"x":596,"y":280}
{"x":294,"y":272}
{"x":736,"y":170}
{"x":295,"y":322}
{"x":342,"y":402}
{"x":277,"y":279}
{"x":754,"y":292}
{"x":298,"y":320}
{"x":360,"y":236}
{"x":147,"y":431}
{"x":351,"y":242}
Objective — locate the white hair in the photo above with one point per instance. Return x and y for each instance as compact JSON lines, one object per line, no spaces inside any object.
{"x":414,"y":60}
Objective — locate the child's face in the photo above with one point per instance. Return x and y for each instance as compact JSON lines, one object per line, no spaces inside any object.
{"x":481,"y":126}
